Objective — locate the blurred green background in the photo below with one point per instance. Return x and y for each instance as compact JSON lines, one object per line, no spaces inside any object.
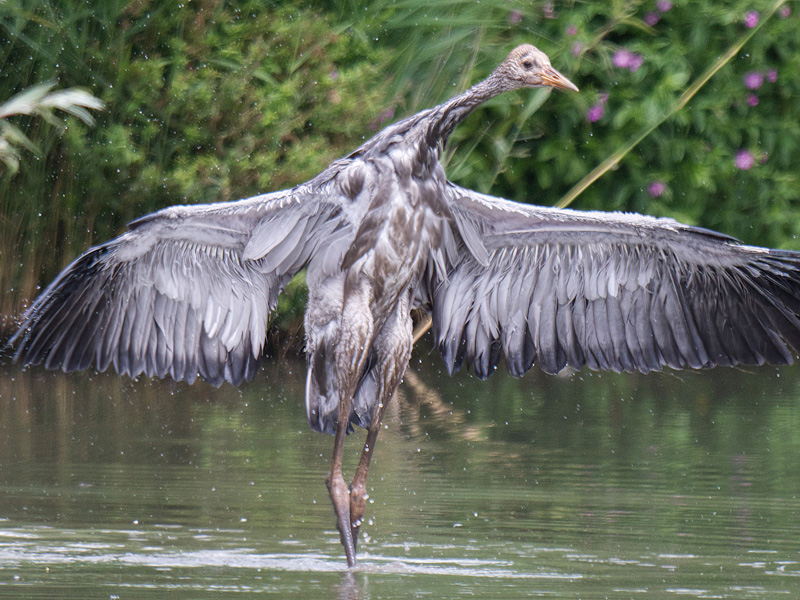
{"x":210,"y":100}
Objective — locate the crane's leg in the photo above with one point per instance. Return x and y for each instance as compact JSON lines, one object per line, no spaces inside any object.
{"x":337,"y":487}
{"x":350,"y":350}
{"x":393,"y":349}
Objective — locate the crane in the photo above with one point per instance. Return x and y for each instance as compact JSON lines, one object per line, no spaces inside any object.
{"x":187,"y":291}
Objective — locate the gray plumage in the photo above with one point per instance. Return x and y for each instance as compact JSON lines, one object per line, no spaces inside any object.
{"x":187,"y":291}
{"x":611,"y":291}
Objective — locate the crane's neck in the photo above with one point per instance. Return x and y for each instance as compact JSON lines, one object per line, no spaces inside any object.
{"x":443,"y":119}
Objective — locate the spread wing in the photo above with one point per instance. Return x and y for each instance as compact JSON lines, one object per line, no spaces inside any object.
{"x":186,"y":291}
{"x":610,"y":291}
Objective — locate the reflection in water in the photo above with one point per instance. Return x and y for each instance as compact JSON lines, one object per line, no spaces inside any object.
{"x":584,"y":486}
{"x":348,"y":588}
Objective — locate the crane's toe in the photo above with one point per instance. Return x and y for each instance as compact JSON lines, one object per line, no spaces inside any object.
{"x":358,"y":504}
{"x":340,"y":498}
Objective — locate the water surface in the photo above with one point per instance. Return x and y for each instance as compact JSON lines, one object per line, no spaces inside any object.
{"x":591,"y":485}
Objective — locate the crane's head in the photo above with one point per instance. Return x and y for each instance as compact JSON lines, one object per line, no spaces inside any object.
{"x":528,"y":67}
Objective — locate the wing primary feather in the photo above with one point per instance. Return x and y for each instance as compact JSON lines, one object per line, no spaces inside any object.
{"x":568,"y":342}
{"x":622,"y":359}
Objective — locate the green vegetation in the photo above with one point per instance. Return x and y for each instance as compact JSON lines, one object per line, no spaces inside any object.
{"x":39,"y":101}
{"x":210,"y":100}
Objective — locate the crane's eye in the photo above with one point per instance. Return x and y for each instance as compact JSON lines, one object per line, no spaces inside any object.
{"x":527,"y":64}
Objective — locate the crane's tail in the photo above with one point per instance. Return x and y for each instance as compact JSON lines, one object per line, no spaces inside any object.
{"x":322,"y":398}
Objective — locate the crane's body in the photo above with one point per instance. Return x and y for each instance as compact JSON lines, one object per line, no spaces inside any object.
{"x":187,"y":291}
{"x":361,"y":291}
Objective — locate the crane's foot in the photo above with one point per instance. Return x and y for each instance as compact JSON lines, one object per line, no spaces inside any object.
{"x":340,"y":498}
{"x":358,"y":504}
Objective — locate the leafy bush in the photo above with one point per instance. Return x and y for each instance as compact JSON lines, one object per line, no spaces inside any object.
{"x":206,"y":103}
{"x":727,"y":160}
{"x":210,"y":101}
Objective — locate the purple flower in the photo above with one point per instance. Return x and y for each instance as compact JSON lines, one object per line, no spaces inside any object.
{"x":753,"y":80}
{"x":752,"y":100}
{"x":625,"y":59}
{"x":663,"y":5}
{"x":652,"y":18}
{"x":571,"y":30}
{"x":576,"y":49}
{"x":514,"y":17}
{"x":744,"y":160}
{"x":382,"y":118}
{"x":656,"y":188}
{"x":622,"y":58}
{"x":784,"y":11}
{"x":751,"y":19}
{"x":386,"y":115}
{"x":772,"y":75}
{"x":334,"y":75}
{"x":595,"y":112}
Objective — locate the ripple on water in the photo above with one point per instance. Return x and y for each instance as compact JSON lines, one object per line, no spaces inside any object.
{"x":36,"y":546}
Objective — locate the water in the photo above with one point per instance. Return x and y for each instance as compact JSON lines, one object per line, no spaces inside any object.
{"x":587,"y":486}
